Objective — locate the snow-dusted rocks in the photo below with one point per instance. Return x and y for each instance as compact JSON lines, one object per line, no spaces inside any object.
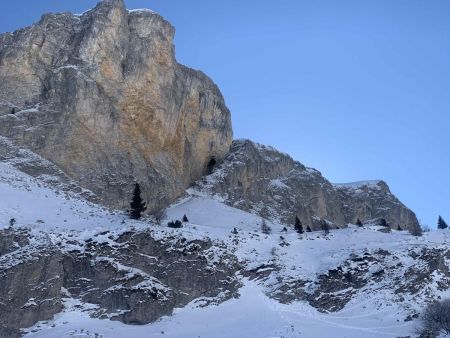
{"x":262,"y":180}
{"x":31,"y":277}
{"x":373,"y":200}
{"x":130,"y":276}
{"x":63,"y":249}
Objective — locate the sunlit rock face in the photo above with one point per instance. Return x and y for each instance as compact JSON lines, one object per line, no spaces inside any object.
{"x":102,"y":96}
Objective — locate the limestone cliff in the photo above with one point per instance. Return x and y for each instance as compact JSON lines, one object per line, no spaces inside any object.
{"x":102,"y":96}
{"x":260,"y":179}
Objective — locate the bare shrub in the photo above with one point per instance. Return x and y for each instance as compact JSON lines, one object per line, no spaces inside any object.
{"x":436,"y":319}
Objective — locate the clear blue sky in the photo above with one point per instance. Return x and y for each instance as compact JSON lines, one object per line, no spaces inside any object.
{"x":357,"y":89}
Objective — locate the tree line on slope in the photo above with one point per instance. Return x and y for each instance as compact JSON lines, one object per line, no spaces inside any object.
{"x":138,"y":207}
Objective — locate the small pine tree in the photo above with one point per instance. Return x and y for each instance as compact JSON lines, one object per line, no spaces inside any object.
{"x":138,"y":206}
{"x":298,"y":226}
{"x":265,"y":228}
{"x":441,"y":223}
{"x":235,"y":231}
{"x":308,"y":229}
{"x":359,"y":223}
{"x":12,"y":221}
{"x":284,"y":229}
{"x":325,"y":227}
{"x":185,"y":219}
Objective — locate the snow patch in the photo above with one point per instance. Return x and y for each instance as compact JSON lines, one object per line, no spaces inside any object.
{"x":141,"y":10}
{"x":360,"y":184}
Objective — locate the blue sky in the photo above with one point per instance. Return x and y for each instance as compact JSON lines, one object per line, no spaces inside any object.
{"x":357,"y":89}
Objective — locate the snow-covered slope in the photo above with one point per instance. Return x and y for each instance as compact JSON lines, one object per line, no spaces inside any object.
{"x":292,"y":285}
{"x":33,"y":203}
{"x":252,"y":315}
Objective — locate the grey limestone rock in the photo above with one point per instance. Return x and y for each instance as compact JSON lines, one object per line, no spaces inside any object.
{"x":263,"y":180}
{"x":130,"y":276}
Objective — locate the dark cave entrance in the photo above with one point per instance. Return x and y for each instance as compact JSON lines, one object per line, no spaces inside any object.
{"x":211,"y":164}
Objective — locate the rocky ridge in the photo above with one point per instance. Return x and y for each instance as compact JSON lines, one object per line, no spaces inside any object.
{"x":262,"y":180}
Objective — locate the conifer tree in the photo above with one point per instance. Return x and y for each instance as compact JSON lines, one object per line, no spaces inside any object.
{"x":138,"y":206}
{"x":308,"y":229}
{"x":441,"y":223}
{"x":325,"y":227}
{"x":265,"y":228}
{"x":185,"y":219}
{"x":298,"y":226}
{"x":359,"y":223}
{"x":175,"y":224}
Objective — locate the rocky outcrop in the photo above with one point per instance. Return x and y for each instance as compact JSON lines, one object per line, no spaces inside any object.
{"x":130,"y":276}
{"x":372,"y":200}
{"x":30,"y":271}
{"x":102,"y":96}
{"x":262,"y":180}
{"x":46,"y":172}
{"x":370,"y":273}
